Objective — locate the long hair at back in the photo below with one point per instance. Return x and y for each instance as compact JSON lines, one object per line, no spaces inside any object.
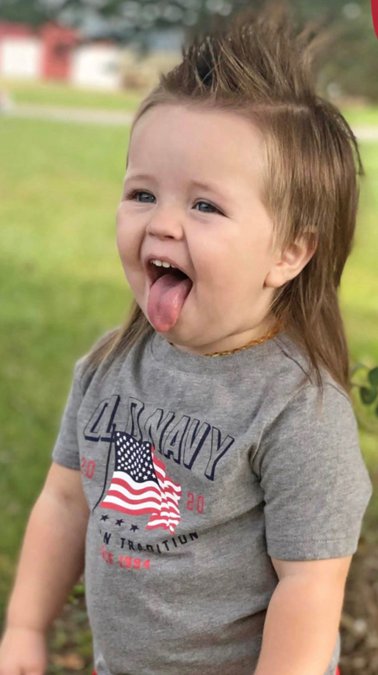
{"x":260,"y":67}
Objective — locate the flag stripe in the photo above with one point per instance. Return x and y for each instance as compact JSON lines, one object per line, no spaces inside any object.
{"x":123,"y":485}
{"x":124,"y":509}
{"x":132,"y":486}
{"x":151,"y":499}
{"x":125,"y":489}
{"x":155,"y":499}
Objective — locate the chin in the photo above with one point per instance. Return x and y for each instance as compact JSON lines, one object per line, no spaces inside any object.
{"x":179,"y":340}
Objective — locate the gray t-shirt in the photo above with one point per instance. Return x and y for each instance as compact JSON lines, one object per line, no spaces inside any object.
{"x":196,"y":471}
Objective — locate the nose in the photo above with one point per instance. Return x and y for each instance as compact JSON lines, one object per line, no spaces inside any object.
{"x":165,"y":223}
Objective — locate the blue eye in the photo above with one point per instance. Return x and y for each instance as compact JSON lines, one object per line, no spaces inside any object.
{"x":210,"y":206}
{"x":135,"y":193}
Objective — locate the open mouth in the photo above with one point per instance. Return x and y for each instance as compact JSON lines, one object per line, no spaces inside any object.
{"x":170,"y":287}
{"x":157,"y":269}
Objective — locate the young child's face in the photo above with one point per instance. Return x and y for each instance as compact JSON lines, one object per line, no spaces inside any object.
{"x":192,"y":199}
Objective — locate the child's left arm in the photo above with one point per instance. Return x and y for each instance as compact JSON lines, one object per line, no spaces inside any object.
{"x":303,"y":617}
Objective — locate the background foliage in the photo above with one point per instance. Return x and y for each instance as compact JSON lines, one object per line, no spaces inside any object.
{"x":350,"y":60}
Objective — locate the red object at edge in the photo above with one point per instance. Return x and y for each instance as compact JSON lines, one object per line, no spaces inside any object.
{"x":374,"y":15}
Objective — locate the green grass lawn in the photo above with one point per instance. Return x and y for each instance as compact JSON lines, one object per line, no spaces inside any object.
{"x":60,"y":94}
{"x":362,"y":116}
{"x":62,"y":286}
{"x":359,"y":294}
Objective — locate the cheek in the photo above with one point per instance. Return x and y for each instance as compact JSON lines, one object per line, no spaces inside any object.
{"x":257,"y":255}
{"x":121,"y":242}
{"x":120,"y":229}
{"x":126,"y":237}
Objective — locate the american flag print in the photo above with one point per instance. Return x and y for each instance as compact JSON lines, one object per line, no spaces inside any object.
{"x":140,"y":484}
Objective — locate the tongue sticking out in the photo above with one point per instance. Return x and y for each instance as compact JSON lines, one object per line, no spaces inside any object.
{"x":167,"y":296}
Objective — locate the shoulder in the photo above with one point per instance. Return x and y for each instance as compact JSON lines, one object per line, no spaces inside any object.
{"x":105,"y":360}
{"x":296,"y":363}
{"x":290,"y":388}
{"x":94,"y":361}
{"x":303,"y":419}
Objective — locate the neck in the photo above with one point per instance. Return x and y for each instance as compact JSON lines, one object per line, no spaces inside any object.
{"x":251,"y":343}
{"x":231,"y":346}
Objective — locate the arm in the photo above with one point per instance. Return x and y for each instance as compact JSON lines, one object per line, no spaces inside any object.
{"x":303,"y":616}
{"x":51,"y":561}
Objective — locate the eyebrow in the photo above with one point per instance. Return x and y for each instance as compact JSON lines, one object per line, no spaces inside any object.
{"x":196,"y":183}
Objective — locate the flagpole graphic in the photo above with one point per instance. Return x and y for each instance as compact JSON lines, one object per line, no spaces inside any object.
{"x":107,"y":467}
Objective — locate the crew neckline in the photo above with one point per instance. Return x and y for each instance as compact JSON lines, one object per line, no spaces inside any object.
{"x":169,"y":355}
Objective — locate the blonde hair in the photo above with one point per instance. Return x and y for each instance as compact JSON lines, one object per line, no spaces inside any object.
{"x":260,"y":67}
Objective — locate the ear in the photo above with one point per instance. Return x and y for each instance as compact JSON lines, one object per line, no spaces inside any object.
{"x":291,"y":260}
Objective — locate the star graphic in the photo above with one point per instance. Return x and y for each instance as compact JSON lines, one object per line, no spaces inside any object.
{"x":119,"y":522}
{"x":104,"y":517}
{"x":134,"y":528}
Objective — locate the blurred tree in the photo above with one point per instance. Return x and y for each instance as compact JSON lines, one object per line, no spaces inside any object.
{"x":20,"y":11}
{"x":349,"y":62}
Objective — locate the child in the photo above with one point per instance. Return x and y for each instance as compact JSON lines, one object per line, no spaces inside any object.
{"x":222,"y":488}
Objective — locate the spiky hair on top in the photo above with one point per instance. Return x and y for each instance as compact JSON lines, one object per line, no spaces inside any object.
{"x":258,"y":57}
{"x":260,"y":66}
{"x":250,"y":58}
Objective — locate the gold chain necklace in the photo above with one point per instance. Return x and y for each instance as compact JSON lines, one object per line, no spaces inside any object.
{"x":256,"y":341}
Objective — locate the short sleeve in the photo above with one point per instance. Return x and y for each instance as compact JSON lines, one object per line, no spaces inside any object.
{"x":66,"y":448}
{"x":315,"y":483}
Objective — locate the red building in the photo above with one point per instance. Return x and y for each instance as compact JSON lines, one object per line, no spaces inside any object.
{"x":58,"y":43}
{"x":49,"y":47}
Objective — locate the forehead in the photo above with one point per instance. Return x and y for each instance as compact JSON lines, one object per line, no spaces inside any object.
{"x":179,"y":138}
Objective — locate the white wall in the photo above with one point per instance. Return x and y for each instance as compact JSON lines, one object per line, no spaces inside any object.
{"x":20,"y":57}
{"x":97,"y":66}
